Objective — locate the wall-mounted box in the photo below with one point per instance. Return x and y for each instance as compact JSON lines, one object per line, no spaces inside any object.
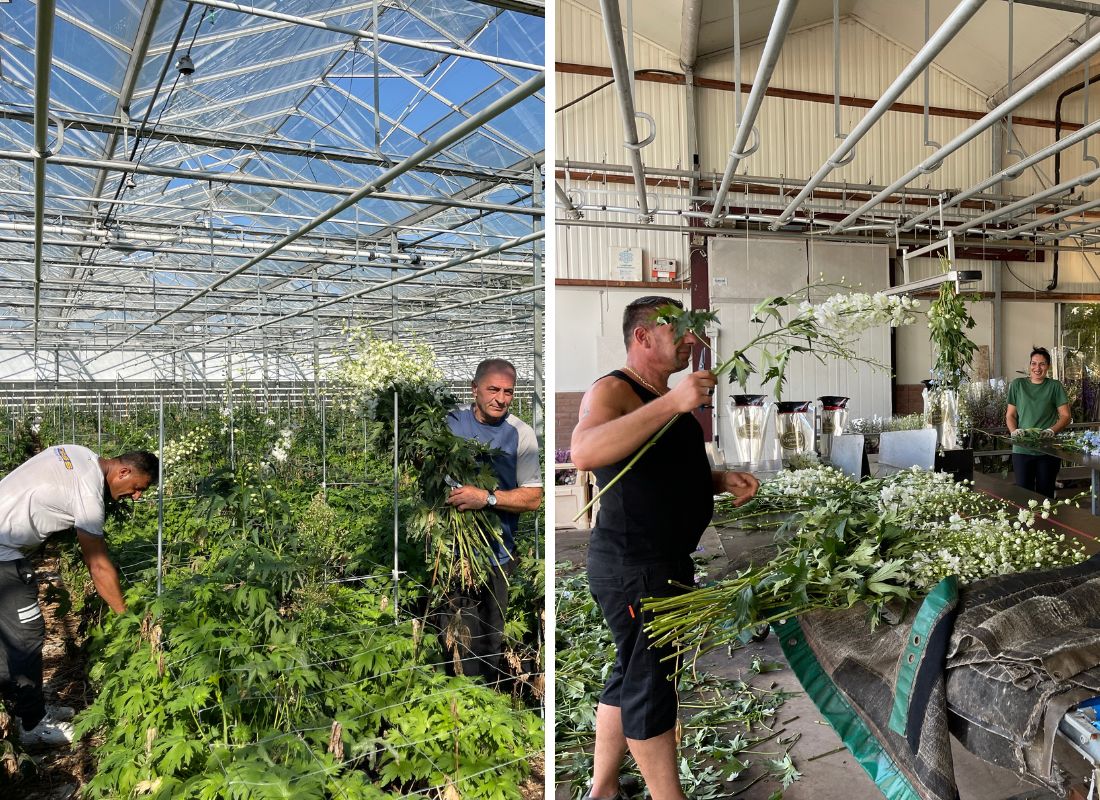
{"x":663,"y":269}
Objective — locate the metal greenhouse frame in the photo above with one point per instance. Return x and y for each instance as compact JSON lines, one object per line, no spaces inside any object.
{"x":202,"y":190}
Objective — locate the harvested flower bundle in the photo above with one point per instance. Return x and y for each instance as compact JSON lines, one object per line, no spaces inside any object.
{"x":400,"y":390}
{"x":883,"y":540}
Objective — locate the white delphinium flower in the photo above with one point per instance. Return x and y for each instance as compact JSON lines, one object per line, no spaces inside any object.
{"x":281,"y":450}
{"x":375,"y":365}
{"x":846,"y":316}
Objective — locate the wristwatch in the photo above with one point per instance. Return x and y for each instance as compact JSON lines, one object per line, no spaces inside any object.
{"x":491,"y":500}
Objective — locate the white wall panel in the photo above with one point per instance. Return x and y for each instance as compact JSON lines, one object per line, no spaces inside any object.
{"x":583,"y":251}
{"x":1026,"y":325}
{"x":592,"y":130}
{"x":589,"y":338}
{"x":799,"y":135}
{"x":869,"y":63}
{"x":754,"y":268}
{"x":580,"y":40}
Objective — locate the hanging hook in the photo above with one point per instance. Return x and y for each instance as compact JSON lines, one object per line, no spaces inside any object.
{"x":652,"y":132}
{"x":840,"y":162}
{"x":751,"y":150}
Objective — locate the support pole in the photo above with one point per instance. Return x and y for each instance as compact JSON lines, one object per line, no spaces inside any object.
{"x":232,"y":436}
{"x":396,"y":510}
{"x":538,"y":379}
{"x":160,"y":497}
{"x":324,"y":450}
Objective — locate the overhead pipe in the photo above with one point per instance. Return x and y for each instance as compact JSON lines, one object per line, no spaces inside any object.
{"x":746,"y":124}
{"x":932,"y":162}
{"x":459,"y":132}
{"x":359,"y":33}
{"x":221,"y":140}
{"x":224,"y":212}
{"x":690,"y":21}
{"x":476,"y":301}
{"x":240,"y":244}
{"x":598,"y":167}
{"x":620,"y":68}
{"x":1052,"y":56}
{"x":273,"y":183}
{"x":923,"y":59}
{"x":242,"y":296}
{"x":1037,"y":223}
{"x":824,"y":235}
{"x":566,"y":201}
{"x":1058,"y":158}
{"x":149,"y":15}
{"x":509,"y":267}
{"x":1007,"y":173}
{"x":1000,"y":211}
{"x":1059,"y":235}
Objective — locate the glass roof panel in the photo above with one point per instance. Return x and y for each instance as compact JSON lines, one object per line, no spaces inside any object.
{"x":276,"y":126}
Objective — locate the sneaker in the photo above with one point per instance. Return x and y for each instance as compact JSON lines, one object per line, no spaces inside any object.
{"x":48,"y":733}
{"x":60,"y":713}
{"x":629,"y":786}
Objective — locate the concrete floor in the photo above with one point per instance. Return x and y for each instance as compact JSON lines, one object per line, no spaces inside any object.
{"x":835,"y":776}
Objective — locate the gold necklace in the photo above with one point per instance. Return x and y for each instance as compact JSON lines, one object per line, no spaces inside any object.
{"x":644,"y":382}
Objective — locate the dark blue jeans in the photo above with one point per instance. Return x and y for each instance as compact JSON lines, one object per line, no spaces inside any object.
{"x":1037,"y":473}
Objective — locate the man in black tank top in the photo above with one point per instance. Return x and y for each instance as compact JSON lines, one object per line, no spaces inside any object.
{"x":649,"y":523}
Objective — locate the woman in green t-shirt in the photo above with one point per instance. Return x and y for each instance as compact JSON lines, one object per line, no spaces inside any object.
{"x":1036,"y":402}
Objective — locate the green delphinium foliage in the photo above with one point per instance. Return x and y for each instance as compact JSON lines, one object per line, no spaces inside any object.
{"x":948,"y":321}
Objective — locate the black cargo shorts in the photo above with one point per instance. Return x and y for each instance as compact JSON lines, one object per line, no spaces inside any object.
{"x":641,"y":683}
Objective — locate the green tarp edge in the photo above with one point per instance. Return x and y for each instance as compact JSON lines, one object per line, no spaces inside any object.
{"x":944,"y":594}
{"x":836,"y":709}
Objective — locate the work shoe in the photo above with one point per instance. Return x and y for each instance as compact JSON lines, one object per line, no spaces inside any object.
{"x":50,"y":732}
{"x":629,"y":786}
{"x":60,"y":713}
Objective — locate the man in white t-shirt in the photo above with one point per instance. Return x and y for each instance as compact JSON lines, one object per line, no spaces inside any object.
{"x":61,"y":488}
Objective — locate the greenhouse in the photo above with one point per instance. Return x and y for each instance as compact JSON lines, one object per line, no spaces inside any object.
{"x":259,"y":261}
{"x":827,"y":474}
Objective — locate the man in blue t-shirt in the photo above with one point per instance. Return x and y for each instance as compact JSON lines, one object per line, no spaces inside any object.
{"x":515,"y":463}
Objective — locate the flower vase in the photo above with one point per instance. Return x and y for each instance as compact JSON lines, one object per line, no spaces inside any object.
{"x":949,"y":411}
{"x":941,"y":411}
{"x":750,"y":417}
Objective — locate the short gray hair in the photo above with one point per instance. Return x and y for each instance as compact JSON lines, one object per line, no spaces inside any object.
{"x":494,"y":365}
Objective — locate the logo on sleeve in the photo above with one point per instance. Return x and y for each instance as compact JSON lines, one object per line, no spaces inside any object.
{"x":64,"y":457}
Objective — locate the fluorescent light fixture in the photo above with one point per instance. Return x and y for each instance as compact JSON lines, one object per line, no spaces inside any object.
{"x":956,"y":276}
